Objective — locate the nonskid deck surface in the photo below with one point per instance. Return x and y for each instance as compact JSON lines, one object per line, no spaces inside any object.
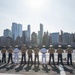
{"x":35,"y":69}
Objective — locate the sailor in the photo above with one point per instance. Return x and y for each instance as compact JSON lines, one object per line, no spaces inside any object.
{"x":51,"y":53}
{"x":23,"y":51}
{"x":59,"y":51}
{"x":43,"y":51}
{"x":30,"y":54}
{"x":69,"y":54}
{"x":3,"y":51}
{"x":16,"y":55}
{"x":10,"y":51}
{"x":36,"y":53}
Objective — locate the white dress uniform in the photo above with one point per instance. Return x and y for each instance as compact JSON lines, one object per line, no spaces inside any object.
{"x":43,"y":51}
{"x":16,"y":55}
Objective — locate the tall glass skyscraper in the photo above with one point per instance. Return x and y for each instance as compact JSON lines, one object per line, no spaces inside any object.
{"x":28,"y":29}
{"x":16,"y":30}
{"x":55,"y":37}
{"x":41,"y":34}
{"x":66,"y":38}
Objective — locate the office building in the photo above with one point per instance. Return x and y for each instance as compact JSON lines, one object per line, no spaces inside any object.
{"x":41,"y":34}
{"x":34,"y":39}
{"x":66,"y":38}
{"x":16,"y":30}
{"x":7,"y":33}
{"x":55,"y":38}
{"x":28,"y":32}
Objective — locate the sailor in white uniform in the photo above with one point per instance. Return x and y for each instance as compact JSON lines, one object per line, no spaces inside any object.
{"x":16,"y":55}
{"x":43,"y":51}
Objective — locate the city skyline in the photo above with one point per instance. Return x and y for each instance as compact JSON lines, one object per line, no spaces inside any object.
{"x":18,"y":36}
{"x":55,"y":15}
{"x":40,"y":25}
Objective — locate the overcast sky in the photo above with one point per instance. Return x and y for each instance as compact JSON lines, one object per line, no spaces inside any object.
{"x":55,"y":15}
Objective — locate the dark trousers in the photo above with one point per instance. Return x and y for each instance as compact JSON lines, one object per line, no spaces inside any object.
{"x":60,"y":58}
{"x":51,"y":56}
{"x":23,"y":57}
{"x":69,"y":56}
{"x":10,"y":57}
{"x":3,"y":57}
{"x":36,"y":57}
{"x":30,"y":57}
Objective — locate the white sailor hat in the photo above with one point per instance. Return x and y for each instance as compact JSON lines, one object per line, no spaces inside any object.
{"x":59,"y":45}
{"x":51,"y":46}
{"x":43,"y":46}
{"x":69,"y":45}
{"x":16,"y":45}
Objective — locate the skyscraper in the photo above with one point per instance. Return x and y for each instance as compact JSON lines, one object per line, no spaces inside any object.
{"x":61,"y":37}
{"x":20,"y":30}
{"x":41,"y":30}
{"x":46,"y":39}
{"x":23,"y":37}
{"x":7,"y":33}
{"x":38,"y":38}
{"x":16,"y":30}
{"x":66,"y":38}
{"x":29,"y":31}
{"x":41,"y":34}
{"x":55,"y":38}
{"x":34,"y":38}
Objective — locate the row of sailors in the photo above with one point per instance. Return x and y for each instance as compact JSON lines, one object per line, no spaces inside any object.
{"x":36,"y":51}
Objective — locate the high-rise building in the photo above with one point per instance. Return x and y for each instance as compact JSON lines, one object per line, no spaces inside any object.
{"x":55,"y":37}
{"x":66,"y":38}
{"x":41,"y":30}
{"x":72,"y":38}
{"x":20,"y":30}
{"x":34,"y":39}
{"x":38,"y":38}
{"x":46,"y":39}
{"x":28,"y":32}
{"x":23,"y":37}
{"x":41,"y":34}
{"x":26,"y":35}
{"x":2,"y":41}
{"x":61,"y":37}
{"x":16,"y":30}
{"x":7,"y":33}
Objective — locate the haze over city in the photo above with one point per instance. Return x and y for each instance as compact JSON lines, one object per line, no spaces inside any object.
{"x":37,"y":37}
{"x":55,"y":15}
